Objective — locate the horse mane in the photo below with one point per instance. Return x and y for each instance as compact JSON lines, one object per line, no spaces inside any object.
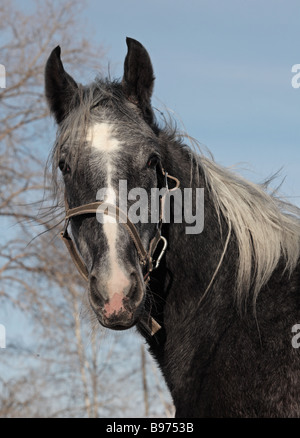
{"x":266,"y":227}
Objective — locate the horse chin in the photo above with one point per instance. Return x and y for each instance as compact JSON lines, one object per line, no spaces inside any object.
{"x":119,"y":322}
{"x":118,"y":327}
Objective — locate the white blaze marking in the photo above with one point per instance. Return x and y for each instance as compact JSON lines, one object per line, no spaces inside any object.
{"x":102,"y":139}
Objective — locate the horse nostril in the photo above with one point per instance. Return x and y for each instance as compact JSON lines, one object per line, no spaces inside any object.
{"x":96,"y":298}
{"x":134,"y":290}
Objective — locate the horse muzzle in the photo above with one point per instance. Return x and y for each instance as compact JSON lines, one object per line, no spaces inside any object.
{"x":117,"y":302}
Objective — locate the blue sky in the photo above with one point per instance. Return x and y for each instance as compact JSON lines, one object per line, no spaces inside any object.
{"x":224,"y":67}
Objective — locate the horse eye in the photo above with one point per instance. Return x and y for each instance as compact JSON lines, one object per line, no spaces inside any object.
{"x":152,"y":161}
{"x":64,"y":167}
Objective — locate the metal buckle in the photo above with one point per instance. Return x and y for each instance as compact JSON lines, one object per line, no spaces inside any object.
{"x":157,"y":261}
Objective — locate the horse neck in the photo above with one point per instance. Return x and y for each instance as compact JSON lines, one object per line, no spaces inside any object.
{"x":200,"y":253}
{"x":194,"y":264}
{"x":190,"y":294}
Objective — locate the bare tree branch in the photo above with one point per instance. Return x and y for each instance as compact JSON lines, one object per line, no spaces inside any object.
{"x":64,"y":375}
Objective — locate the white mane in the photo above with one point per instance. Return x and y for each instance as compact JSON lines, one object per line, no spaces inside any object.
{"x":266,"y":228}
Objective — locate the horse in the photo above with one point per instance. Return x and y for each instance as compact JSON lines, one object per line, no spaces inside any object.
{"x":218,"y":302}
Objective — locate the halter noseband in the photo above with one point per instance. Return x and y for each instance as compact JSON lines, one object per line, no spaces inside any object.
{"x":145,"y":257}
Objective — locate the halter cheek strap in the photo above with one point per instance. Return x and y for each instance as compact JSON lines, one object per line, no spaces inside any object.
{"x":145,"y":258}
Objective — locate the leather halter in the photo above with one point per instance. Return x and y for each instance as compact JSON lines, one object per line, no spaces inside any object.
{"x":145,"y":257}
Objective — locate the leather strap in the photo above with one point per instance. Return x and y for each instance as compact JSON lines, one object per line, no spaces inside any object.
{"x":112,"y":210}
{"x":151,"y":325}
{"x":77,"y":260}
{"x":115,"y":212}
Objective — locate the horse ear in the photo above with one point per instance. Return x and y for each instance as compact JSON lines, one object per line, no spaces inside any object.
{"x":59,"y":86}
{"x":138,"y":79}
